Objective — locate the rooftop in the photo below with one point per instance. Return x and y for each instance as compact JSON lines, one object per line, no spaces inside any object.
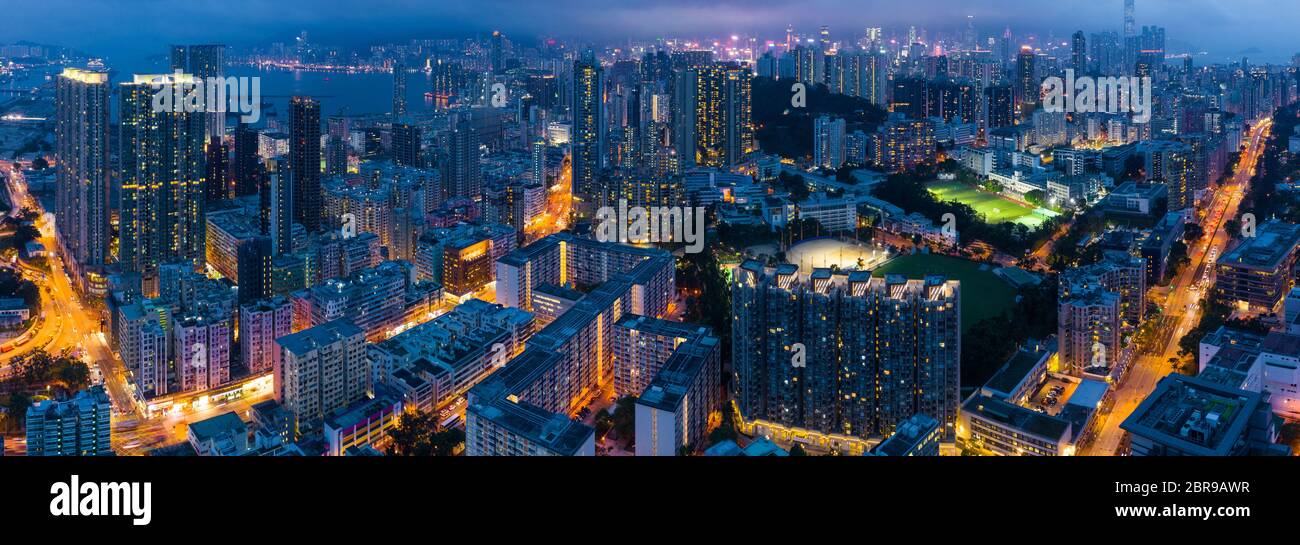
{"x":1014,"y":371}
{"x":908,"y":435}
{"x":327,"y":333}
{"x":1014,"y":416}
{"x":218,"y":426}
{"x":1273,"y":243}
{"x":1195,"y":415}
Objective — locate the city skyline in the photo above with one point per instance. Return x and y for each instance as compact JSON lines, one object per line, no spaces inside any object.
{"x":915,"y":240}
{"x":1224,"y":29}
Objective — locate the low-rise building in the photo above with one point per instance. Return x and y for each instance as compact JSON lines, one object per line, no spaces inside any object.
{"x":1189,"y":416}
{"x":918,"y":436}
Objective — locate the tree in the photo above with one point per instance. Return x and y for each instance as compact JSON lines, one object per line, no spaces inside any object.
{"x":603,"y":423}
{"x":418,"y":434}
{"x":40,"y":164}
{"x":1193,"y":232}
{"x":797,"y":450}
{"x":625,"y":417}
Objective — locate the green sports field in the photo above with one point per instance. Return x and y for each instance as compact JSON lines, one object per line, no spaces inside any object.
{"x":983,"y":294}
{"x":994,"y":208}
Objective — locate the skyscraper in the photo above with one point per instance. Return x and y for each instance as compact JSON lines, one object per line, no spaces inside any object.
{"x":462,"y":175}
{"x":279,"y":191}
{"x":246,"y":168}
{"x":588,"y":128}
{"x":406,"y":144}
{"x":1027,"y":83}
{"x":875,"y":350}
{"x":399,"y":88}
{"x":539,"y":162}
{"x":828,"y":142}
{"x":81,"y":206}
{"x":1132,"y":43}
{"x":161,"y":165}
{"x":999,"y":107}
{"x":1130,"y":27}
{"x":203,"y":62}
{"x":217,"y":179}
{"x":714,"y":124}
{"x":1079,"y":53}
{"x":304,"y":161}
{"x":496,"y":53}
{"x":336,"y":151}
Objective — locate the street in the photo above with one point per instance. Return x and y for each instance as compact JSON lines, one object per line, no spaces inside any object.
{"x":71,"y":325}
{"x":1182,"y":303}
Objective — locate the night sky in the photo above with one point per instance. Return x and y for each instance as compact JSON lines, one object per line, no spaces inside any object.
{"x":1262,"y":29}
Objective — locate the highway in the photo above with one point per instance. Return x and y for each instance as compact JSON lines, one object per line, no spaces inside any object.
{"x":1182,"y":303}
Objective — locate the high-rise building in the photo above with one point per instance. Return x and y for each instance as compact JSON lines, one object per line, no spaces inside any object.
{"x":260,"y":324}
{"x":466,"y":265}
{"x":1027,"y":83}
{"x":462,"y":174}
{"x":280,"y":216}
{"x":1130,"y":26}
{"x":1000,"y":107}
{"x":1118,"y":272}
{"x":828,"y":142}
{"x":682,"y":386}
{"x":336,"y":151}
{"x":496,"y":52}
{"x":714,"y":126}
{"x":81,"y":206}
{"x":1172,"y":163}
{"x":161,"y":165}
{"x":246,"y":167}
{"x":202,"y":349}
{"x":539,"y":162}
{"x":1079,"y":53}
{"x":253,"y":258}
{"x":1106,"y":53}
{"x":522,"y":408}
{"x":588,"y":140}
{"x":304,"y":161}
{"x":77,"y":427}
{"x":205,"y":62}
{"x":141,"y":334}
{"x":1088,"y":330}
{"x":1259,"y":271}
{"x":906,"y":143}
{"x":321,"y":369}
{"x":216,"y":185}
{"x":843,"y":355}
{"x":399,"y":88}
{"x":406,"y":144}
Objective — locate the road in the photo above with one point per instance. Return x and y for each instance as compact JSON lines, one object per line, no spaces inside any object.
{"x":76,"y":326}
{"x":167,"y":423}
{"x":70,"y":325}
{"x":559,"y":202}
{"x":1182,"y":303}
